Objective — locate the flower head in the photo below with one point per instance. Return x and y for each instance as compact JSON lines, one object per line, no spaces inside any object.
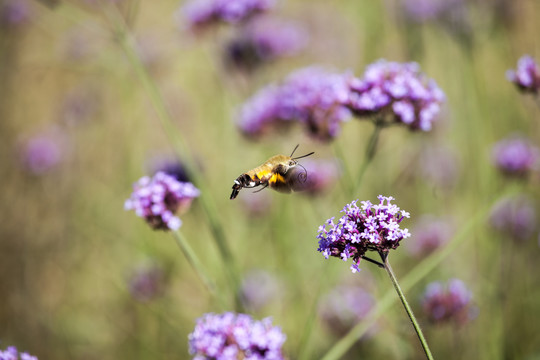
{"x":259,"y":288}
{"x":15,"y":12}
{"x":312,"y":96}
{"x":42,"y":152}
{"x":264,"y":40}
{"x":430,"y":234}
{"x":159,"y":198}
{"x":230,"y":336}
{"x":369,"y":227}
{"x":147,"y":282}
{"x":397,"y":90}
{"x":514,"y":216}
{"x":345,"y":306}
{"x":515,"y":156}
{"x":451,"y":302}
{"x":527,"y":75}
{"x":11,"y":353}
{"x":202,"y":13}
{"x":423,"y":10}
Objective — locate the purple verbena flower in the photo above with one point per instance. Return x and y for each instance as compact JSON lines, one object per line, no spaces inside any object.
{"x":423,"y":10}
{"x":312,"y":96}
{"x":258,"y":288}
{"x":11,"y":353}
{"x":430,"y":234}
{"x":344,"y":307}
{"x":202,"y":13}
{"x":451,"y":302}
{"x":397,"y":90}
{"x":263,"y":40}
{"x":43,"y":151}
{"x":159,"y":198}
{"x":147,"y":282}
{"x":15,"y":12}
{"x":373,"y":227}
{"x":515,"y":156}
{"x":230,"y":336}
{"x":527,"y":75}
{"x":515,"y":217}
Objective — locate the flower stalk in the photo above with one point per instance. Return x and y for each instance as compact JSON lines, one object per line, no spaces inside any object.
{"x":401,"y":295}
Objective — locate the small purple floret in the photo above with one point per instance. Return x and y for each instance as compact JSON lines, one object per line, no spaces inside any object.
{"x":235,"y":336}
{"x":11,"y":353}
{"x":373,"y":227}
{"x":159,"y":198}
{"x":515,"y":217}
{"x":398,"y":89}
{"x":527,"y":75}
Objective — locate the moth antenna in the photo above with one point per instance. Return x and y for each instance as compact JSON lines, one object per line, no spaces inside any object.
{"x":303,"y":156}
{"x":296,"y":147}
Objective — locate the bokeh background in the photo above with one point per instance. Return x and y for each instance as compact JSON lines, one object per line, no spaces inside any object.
{"x":71,"y":258}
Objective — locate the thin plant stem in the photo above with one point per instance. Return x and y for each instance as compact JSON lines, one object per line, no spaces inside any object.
{"x":177,"y":141}
{"x":401,"y":295}
{"x":194,"y":261}
{"x":371,"y":149}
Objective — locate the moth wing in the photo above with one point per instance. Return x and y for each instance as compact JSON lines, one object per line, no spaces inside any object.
{"x":293,"y":180}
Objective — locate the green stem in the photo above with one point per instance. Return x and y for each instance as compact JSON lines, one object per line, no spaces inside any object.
{"x":194,"y":261}
{"x":371,"y":149}
{"x":177,"y":141}
{"x":408,"y":309}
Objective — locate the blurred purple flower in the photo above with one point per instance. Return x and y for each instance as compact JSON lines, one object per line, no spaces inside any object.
{"x":514,"y":216}
{"x":439,"y":165}
{"x":230,"y":336}
{"x":344,"y":307}
{"x":11,"y":353}
{"x":159,"y":198}
{"x":263,"y":40}
{"x":15,"y":12}
{"x":147,"y":282}
{"x":312,"y":96}
{"x":430,"y":234}
{"x":423,"y":10}
{"x":399,"y":90}
{"x":42,"y":152}
{"x":515,"y":156}
{"x":322,"y":175}
{"x":258,"y":288}
{"x":451,"y":302}
{"x":202,"y":13}
{"x":370,"y":227}
{"x":527,"y":75}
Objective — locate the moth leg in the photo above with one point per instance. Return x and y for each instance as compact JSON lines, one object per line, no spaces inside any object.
{"x":261,"y":189}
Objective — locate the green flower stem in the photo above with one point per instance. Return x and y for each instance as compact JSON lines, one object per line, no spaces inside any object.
{"x":371,"y":149}
{"x":408,"y":309}
{"x":177,"y":141}
{"x":194,"y":262}
{"x":421,"y":270}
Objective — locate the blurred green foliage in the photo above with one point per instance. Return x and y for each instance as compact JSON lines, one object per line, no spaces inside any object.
{"x":67,"y":247}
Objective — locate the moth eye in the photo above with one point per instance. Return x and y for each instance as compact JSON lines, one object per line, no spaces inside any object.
{"x":292,"y":163}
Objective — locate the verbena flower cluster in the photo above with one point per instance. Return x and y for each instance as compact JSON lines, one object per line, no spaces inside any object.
{"x":200,"y":13}
{"x":423,"y":10}
{"x":527,"y":75}
{"x":230,"y":336}
{"x":448,"y":302}
{"x":42,"y":152}
{"x":344,"y":307}
{"x":397,"y":90}
{"x":515,"y":156}
{"x":147,"y":282}
{"x":159,"y":198}
{"x":264,"y":40}
{"x":515,"y":217}
{"x":312,"y":96}
{"x":11,"y":353}
{"x":369,"y":227}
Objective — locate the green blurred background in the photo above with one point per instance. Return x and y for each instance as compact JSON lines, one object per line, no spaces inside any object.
{"x":68,"y":248}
